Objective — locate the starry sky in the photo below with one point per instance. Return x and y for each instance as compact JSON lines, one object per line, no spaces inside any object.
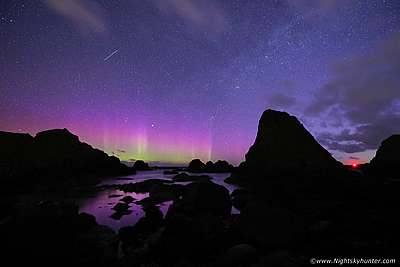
{"x":167,"y":81}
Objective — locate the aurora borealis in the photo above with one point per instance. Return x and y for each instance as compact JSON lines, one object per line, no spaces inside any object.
{"x":167,"y":81}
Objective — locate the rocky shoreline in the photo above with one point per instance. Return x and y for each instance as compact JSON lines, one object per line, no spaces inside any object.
{"x":296,"y":203}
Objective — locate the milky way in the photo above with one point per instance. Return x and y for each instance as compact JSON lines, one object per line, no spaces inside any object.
{"x":172,"y":80}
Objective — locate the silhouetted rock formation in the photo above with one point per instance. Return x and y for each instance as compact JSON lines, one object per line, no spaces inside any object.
{"x":221,"y":166}
{"x":140,"y":165}
{"x":53,"y":154}
{"x":386,"y":163}
{"x":196,"y":166}
{"x":284,"y":148}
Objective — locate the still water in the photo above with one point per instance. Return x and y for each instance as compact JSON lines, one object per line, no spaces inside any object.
{"x":101,"y":202}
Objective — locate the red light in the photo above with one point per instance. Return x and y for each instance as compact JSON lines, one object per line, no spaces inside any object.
{"x":355,"y":165}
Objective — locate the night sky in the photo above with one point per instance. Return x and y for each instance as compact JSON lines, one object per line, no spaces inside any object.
{"x":167,"y":81}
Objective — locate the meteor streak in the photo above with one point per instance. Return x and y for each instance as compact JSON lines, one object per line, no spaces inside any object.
{"x":111,"y":55}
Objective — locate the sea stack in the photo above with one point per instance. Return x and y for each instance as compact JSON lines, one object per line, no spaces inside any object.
{"x":284,"y":148}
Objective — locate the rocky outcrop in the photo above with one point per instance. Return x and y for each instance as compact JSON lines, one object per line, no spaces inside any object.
{"x":221,"y":166}
{"x":386,"y":162}
{"x":284,"y":148}
{"x":140,"y":165}
{"x":192,"y":231}
{"x":54,"y":154}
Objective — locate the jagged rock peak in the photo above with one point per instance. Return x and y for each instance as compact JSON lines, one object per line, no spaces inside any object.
{"x":283,"y":147}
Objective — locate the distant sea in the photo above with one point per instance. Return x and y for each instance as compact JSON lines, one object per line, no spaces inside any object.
{"x":100,"y":204}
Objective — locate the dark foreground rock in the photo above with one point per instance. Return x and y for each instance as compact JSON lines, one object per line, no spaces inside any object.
{"x":202,"y":196}
{"x":54,"y":234}
{"x":198,"y":239}
{"x":386,"y":163}
{"x":194,"y":230}
{"x":268,"y":229}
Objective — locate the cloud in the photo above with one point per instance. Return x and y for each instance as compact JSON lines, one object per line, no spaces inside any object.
{"x":354,"y":158}
{"x":122,"y":151}
{"x":132,"y":160}
{"x":197,"y":14}
{"x":86,"y":14}
{"x":366,"y":94}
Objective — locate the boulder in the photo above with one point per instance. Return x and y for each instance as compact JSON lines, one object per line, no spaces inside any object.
{"x":127,"y":199}
{"x":121,"y":209}
{"x":284,"y":148}
{"x":240,"y":198}
{"x":135,"y":237}
{"x":98,"y":247}
{"x":386,"y":162}
{"x":268,"y":228}
{"x":202,"y":196}
{"x":184,"y":177}
{"x":140,"y":165}
{"x":197,"y":239}
{"x":160,"y":193}
{"x":222,"y":166}
{"x":239,"y":255}
{"x":196,"y":166}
